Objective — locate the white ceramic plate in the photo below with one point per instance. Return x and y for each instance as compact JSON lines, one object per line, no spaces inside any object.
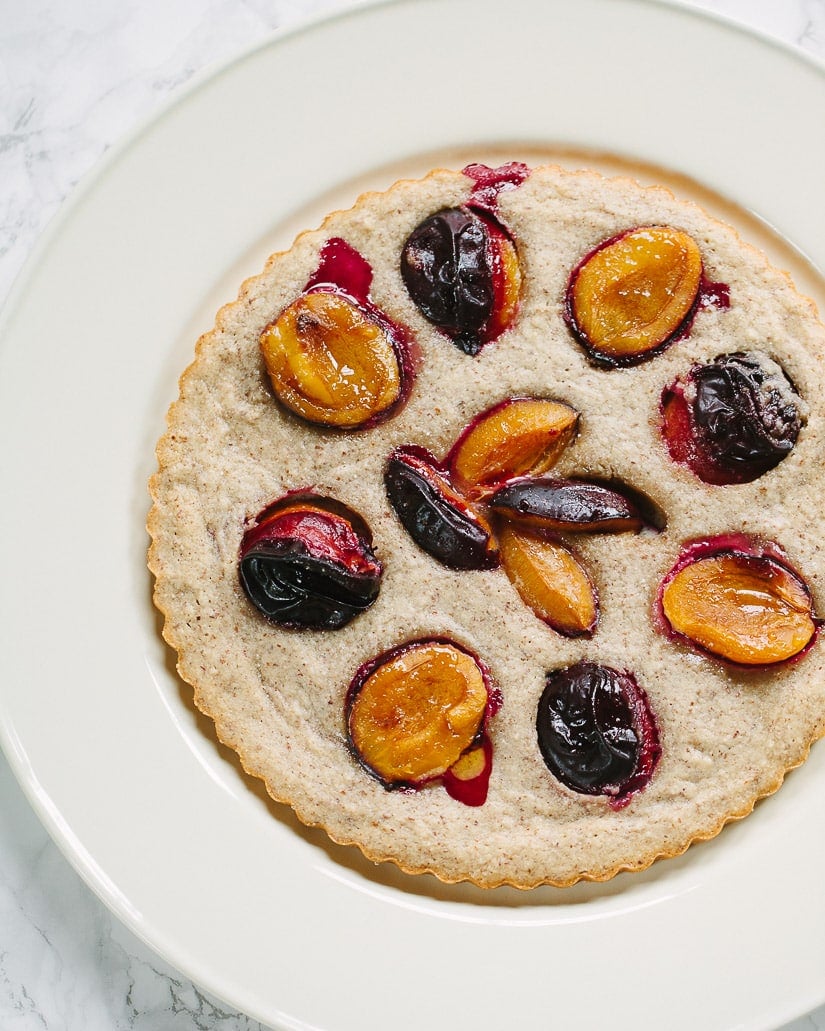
{"x":158,"y":818}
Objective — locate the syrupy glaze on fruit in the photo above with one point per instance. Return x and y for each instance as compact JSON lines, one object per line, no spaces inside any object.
{"x":488,"y":504}
{"x":460,"y":264}
{"x":733,"y":419}
{"x":440,"y":521}
{"x":769,"y":561}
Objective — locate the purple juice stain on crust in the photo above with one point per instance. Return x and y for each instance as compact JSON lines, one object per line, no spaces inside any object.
{"x":490,"y":182}
{"x":343,"y":267}
{"x":472,"y":791}
{"x":714,"y":295}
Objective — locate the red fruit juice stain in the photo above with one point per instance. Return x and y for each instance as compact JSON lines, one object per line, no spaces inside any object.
{"x":490,"y":182}
{"x":713,"y":295}
{"x":472,"y":792}
{"x":341,"y":265}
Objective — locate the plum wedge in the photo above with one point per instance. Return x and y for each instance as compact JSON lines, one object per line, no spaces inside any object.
{"x":567,"y":506}
{"x":517,"y":436}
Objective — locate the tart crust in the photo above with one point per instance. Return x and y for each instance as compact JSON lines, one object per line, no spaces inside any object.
{"x":276,"y":696}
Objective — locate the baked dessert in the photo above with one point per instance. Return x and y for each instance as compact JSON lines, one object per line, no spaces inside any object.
{"x":486,"y":526}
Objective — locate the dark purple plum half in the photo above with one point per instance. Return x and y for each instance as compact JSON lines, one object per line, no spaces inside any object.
{"x":596,"y":732}
{"x":305,"y":564}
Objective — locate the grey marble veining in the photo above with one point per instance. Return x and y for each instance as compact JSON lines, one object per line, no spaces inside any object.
{"x":76,"y":76}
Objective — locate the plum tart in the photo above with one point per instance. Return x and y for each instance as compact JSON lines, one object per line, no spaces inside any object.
{"x":486,"y":526}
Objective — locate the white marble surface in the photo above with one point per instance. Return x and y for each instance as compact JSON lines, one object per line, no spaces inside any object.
{"x":75,"y":76}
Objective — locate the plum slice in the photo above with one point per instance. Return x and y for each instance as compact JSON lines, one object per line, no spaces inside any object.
{"x":331,"y":361}
{"x":632,"y":295}
{"x":415,"y":711}
{"x":733,"y":419}
{"x":461,"y":270}
{"x":596,"y":732}
{"x":739,"y":601}
{"x":307,"y":562}
{"x":550,"y":581}
{"x":571,"y":506}
{"x":440,"y":521}
{"x":519,"y":435}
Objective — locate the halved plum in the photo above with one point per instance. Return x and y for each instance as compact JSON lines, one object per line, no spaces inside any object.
{"x":596,"y":731}
{"x":331,"y":362}
{"x":417,"y":710}
{"x":740,"y":601}
{"x":517,"y":436}
{"x":550,"y":581}
{"x":307,"y":561}
{"x":632,"y":295}
{"x":440,"y":521}
{"x":461,"y":270}
{"x":733,"y":419}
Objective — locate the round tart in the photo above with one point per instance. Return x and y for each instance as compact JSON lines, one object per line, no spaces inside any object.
{"x":486,"y":526}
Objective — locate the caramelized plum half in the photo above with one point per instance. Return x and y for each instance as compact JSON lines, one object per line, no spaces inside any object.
{"x":437,"y":518}
{"x":571,"y":506}
{"x":461,"y":270}
{"x":732,"y":420}
{"x":518,"y":436}
{"x":413,"y":712}
{"x":633,"y":294}
{"x":550,"y":581}
{"x":596,"y":732}
{"x":745,"y":606}
{"x":332,"y":362}
{"x":308,"y":562}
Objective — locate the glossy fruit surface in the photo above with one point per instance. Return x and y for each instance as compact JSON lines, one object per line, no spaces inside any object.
{"x":596,"y":732}
{"x":733,"y":419}
{"x":550,"y":581}
{"x":747,"y":608}
{"x":515,"y":437}
{"x":440,"y":521}
{"x":413,"y":712}
{"x":571,"y":506}
{"x":462,"y":272}
{"x":308,"y":562}
{"x":632,"y":295}
{"x":331,"y":362}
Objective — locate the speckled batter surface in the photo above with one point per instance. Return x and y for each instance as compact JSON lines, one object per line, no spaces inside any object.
{"x":276,"y":696}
